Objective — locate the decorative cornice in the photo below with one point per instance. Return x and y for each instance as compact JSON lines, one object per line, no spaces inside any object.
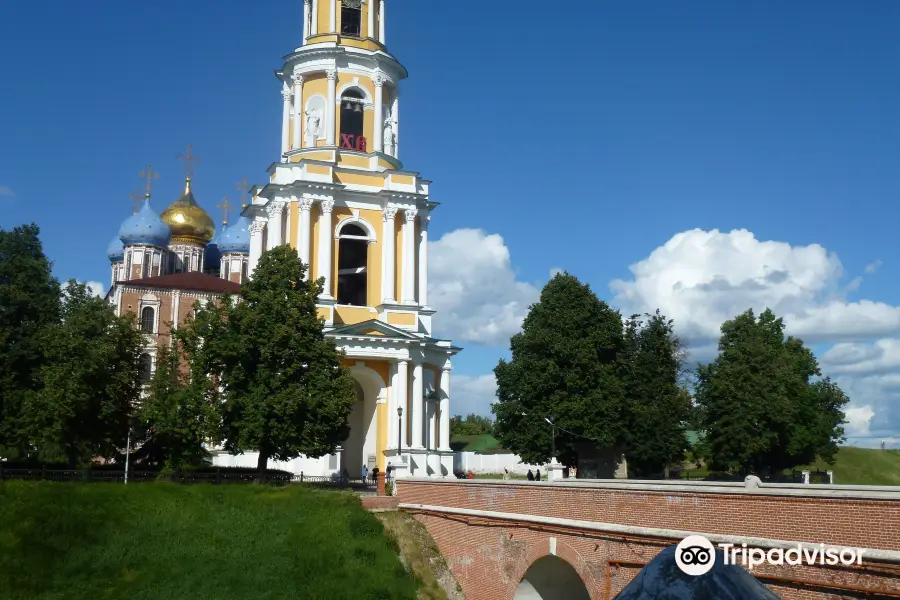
{"x":297,"y":78}
{"x":305,"y":203}
{"x":331,"y":74}
{"x":257,"y":227}
{"x":410,"y":214}
{"x":389,"y":213}
{"x":378,"y":79}
{"x":275,"y":208}
{"x":327,"y":206}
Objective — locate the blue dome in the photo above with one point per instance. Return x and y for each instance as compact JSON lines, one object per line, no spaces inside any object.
{"x":144,"y":227}
{"x":115,"y":251}
{"x":236,"y":238}
{"x":213,"y":255}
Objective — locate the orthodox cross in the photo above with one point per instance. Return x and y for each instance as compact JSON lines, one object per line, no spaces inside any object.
{"x":136,"y":199}
{"x":242,"y":185}
{"x":188,"y":159}
{"x":224,"y":206}
{"x":149,"y":174}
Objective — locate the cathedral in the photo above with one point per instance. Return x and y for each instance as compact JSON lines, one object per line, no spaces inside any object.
{"x":340,"y":196}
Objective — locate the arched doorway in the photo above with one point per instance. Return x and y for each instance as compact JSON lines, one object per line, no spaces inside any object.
{"x":551,"y":578}
{"x":360,"y":446}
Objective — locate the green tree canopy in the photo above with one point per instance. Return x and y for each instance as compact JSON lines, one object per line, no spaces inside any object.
{"x":90,"y":380}
{"x":658,"y":411}
{"x":472,"y":424}
{"x":29,"y":302}
{"x":563,"y":368}
{"x":757,"y":406}
{"x":285,"y":391}
{"x":180,"y":412}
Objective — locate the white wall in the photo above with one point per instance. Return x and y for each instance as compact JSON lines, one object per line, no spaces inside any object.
{"x":314,"y":467}
{"x":492,"y":463}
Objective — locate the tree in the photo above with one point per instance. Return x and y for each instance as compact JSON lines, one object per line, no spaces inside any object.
{"x":285,"y":392}
{"x":563,"y":368}
{"x":90,"y":380}
{"x":758,"y":409}
{"x":657,"y":409}
{"x":29,"y":302}
{"x":179,"y":413}
{"x":471,"y":425}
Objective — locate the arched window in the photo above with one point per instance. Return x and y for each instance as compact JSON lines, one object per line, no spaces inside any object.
{"x":352,"y":103}
{"x":147,"y":318}
{"x":353,"y":250}
{"x":145,"y":367}
{"x":351,"y":17}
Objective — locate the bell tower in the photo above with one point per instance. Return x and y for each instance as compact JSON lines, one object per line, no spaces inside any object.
{"x":339,"y":195}
{"x":341,"y":88}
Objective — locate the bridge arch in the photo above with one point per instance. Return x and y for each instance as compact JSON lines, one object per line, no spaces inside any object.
{"x":552,"y":572}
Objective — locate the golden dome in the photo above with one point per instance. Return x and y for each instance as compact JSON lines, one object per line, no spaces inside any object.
{"x":187,"y":221}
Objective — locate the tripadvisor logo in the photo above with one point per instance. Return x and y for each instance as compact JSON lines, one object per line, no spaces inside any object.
{"x":696,"y":555}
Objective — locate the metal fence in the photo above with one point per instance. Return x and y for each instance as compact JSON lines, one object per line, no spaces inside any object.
{"x":215,"y":477}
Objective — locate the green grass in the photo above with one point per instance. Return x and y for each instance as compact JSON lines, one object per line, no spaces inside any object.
{"x":476,"y":443}
{"x":165,"y":541}
{"x":863,"y":466}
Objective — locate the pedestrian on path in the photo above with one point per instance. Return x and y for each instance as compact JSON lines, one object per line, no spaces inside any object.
{"x":537,"y":476}
{"x":530,"y":475}
{"x":365,"y":473}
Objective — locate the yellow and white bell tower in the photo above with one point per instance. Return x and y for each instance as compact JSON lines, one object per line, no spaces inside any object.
{"x":340,"y":196}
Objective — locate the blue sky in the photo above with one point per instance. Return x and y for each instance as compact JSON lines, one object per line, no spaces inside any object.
{"x":586,"y":139}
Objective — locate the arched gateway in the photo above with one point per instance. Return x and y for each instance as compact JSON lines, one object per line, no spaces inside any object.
{"x":361,"y":446}
{"x":551,"y":578}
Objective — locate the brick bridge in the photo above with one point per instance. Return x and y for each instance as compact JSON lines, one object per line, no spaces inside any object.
{"x":586,"y":539}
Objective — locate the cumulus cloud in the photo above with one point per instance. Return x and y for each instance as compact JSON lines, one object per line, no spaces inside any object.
{"x":474,"y":394}
{"x":472,"y":283}
{"x":702,"y":278}
{"x":96,"y":288}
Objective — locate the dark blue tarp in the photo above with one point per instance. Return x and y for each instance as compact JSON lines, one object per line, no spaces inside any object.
{"x":661,"y":579}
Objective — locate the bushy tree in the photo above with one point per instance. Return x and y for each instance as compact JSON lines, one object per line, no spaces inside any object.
{"x":90,"y":381}
{"x":758,"y":409}
{"x":284,"y":390}
{"x":563,"y":368}
{"x":657,"y":409}
{"x":180,"y":412}
{"x":472,"y":424}
{"x":29,"y":302}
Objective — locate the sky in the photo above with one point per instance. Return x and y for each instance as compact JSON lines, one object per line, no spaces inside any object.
{"x":700,"y":157}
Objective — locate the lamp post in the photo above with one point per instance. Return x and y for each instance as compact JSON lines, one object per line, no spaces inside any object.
{"x":127,"y":454}
{"x":553,"y":439}
{"x":399,"y":430}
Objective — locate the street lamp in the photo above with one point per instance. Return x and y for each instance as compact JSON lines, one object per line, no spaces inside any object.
{"x":553,"y":439}
{"x":399,"y":430}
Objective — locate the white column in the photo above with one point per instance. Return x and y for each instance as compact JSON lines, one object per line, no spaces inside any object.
{"x":431,"y":407}
{"x":392,"y":407}
{"x":378,"y":80}
{"x":423,"y":258}
{"x":417,"y":405}
{"x":388,"y":255}
{"x":256,"y":244}
{"x":325,"y":242}
{"x":370,"y":31}
{"x":333,"y":18}
{"x":306,"y":31}
{"x":314,"y":26}
{"x":395,"y":120}
{"x":408,"y":292}
{"x":304,"y":244}
{"x":298,"y":111}
{"x":381,"y":22}
{"x":332,"y":93}
{"x":275,"y":210}
{"x":402,"y":396}
{"x":286,"y":120}
{"x":445,"y":409}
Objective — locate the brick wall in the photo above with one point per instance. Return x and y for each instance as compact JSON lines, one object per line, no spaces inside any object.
{"x":490,"y":558}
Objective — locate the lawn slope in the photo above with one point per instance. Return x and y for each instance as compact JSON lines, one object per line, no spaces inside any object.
{"x":229,"y":542}
{"x":864,"y":466}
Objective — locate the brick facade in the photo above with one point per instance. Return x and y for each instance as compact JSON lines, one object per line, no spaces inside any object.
{"x":490,"y":557}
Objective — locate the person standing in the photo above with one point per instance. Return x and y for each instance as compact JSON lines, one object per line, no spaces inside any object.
{"x":365,"y":473}
{"x":530,"y":475}
{"x":537,"y":475}
{"x":387,"y":472}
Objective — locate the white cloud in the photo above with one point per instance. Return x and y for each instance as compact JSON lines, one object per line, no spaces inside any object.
{"x":6,"y":192}
{"x":858,"y":419}
{"x":474,"y":394}
{"x":872,"y":268}
{"x":472,"y":283}
{"x":555,"y":271}
{"x":96,"y":288}
{"x":702,"y":278}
